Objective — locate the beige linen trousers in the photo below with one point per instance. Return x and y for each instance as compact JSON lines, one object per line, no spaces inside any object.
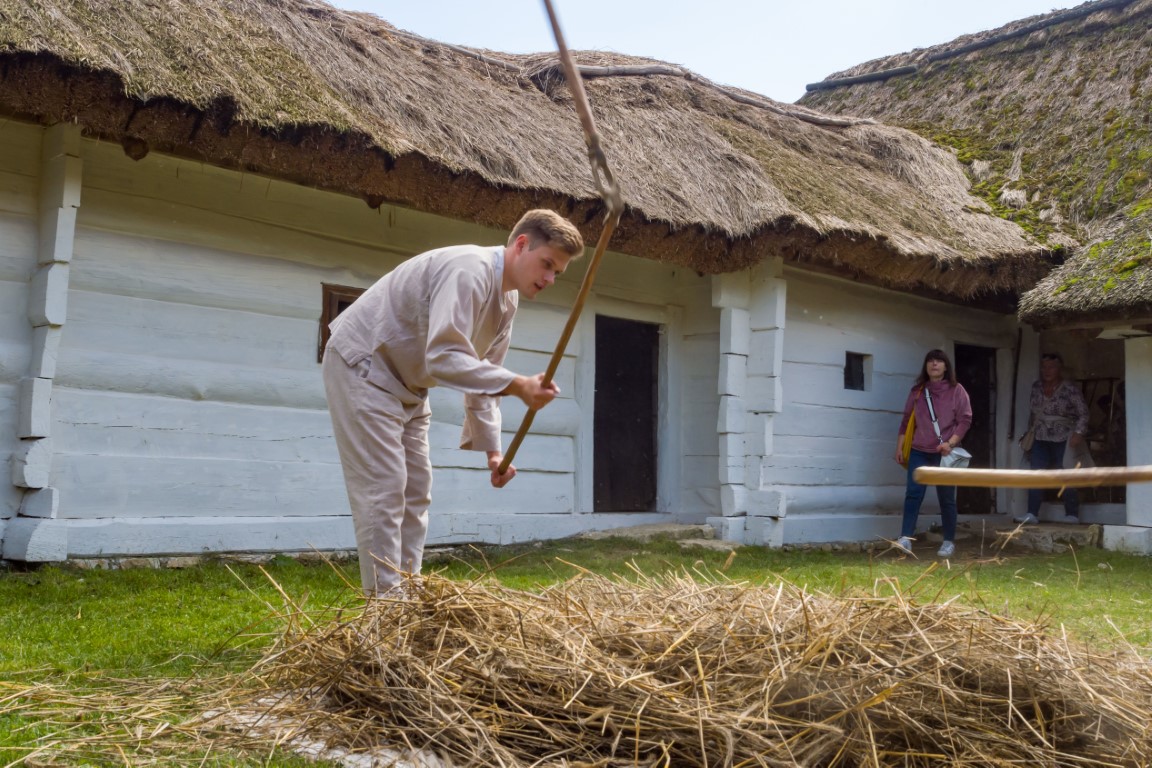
{"x":438,"y":319}
{"x":383,"y":445}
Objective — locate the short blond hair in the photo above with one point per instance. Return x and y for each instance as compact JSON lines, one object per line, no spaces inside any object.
{"x":545,"y":227}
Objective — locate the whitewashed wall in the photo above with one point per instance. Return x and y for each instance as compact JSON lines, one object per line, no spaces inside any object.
{"x":188,"y":410}
{"x":1136,"y":535}
{"x":828,"y":456}
{"x":188,"y":413}
{"x":701,"y":403}
{"x":18,"y":189}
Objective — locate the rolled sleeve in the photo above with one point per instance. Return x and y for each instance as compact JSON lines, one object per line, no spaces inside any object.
{"x":482,"y":417}
{"x":451,"y":360}
{"x":482,"y":423}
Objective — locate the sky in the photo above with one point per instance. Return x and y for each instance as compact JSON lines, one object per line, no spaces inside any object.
{"x":771,"y":47}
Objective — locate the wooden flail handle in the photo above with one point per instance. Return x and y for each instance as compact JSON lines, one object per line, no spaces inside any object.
{"x":1091,"y":477}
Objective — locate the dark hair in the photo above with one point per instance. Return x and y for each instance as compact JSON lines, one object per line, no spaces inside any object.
{"x":1052,"y":356}
{"x":937,"y":354}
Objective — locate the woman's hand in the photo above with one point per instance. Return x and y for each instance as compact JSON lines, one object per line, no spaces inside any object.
{"x":944,"y":448}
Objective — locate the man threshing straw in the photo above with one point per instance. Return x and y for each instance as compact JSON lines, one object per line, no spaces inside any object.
{"x":445,"y":317}
{"x":441,"y":318}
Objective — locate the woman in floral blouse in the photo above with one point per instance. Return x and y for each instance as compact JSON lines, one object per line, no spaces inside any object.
{"x":1059,"y":417}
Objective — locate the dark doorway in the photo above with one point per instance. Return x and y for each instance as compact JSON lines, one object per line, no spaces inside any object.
{"x":624,"y":464}
{"x":976,"y":370}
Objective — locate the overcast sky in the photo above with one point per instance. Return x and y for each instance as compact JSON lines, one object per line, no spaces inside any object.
{"x":772,"y":47}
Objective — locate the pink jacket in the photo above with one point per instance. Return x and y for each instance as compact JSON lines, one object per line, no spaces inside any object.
{"x":953,"y":412}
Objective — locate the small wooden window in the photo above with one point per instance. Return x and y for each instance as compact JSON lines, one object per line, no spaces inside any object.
{"x":857,"y":371}
{"x":335,"y":299}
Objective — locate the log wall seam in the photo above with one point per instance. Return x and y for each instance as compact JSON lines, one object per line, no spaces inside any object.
{"x":59,"y":200}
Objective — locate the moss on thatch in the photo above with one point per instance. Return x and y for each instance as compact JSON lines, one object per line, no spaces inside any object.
{"x":715,"y":180}
{"x":1054,"y":128}
{"x":1110,"y":280}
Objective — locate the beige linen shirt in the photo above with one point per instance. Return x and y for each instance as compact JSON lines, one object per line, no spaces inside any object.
{"x":439,"y":318}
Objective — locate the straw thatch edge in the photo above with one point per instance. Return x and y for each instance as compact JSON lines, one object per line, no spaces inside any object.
{"x":1107,"y":282}
{"x":44,"y":88}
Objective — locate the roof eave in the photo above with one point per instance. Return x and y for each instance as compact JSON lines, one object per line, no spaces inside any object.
{"x":356,"y":165}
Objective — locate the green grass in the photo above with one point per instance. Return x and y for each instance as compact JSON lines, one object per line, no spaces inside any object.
{"x":77,"y":628}
{"x":153,"y":623}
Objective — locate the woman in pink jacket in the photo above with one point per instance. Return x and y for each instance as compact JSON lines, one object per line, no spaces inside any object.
{"x":937,"y":380}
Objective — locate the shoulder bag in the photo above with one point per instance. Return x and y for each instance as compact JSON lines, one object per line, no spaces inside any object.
{"x":909,"y":431}
{"x":1027,"y":439}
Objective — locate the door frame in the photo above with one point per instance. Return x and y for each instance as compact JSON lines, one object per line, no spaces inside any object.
{"x":994,"y":418}
{"x":668,"y":372}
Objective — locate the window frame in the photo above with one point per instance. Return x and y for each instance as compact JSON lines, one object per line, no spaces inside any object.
{"x":865,"y":369}
{"x":334,"y":299}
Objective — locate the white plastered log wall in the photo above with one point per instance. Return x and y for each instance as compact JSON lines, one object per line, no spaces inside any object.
{"x":34,"y":534}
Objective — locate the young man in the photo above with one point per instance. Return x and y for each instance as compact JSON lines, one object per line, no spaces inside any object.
{"x":441,"y":318}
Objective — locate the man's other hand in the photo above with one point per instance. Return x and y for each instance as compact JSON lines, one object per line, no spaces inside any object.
{"x":499,"y":480}
{"x":533,"y":391}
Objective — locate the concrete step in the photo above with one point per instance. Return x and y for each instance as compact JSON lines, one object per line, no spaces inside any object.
{"x":1049,"y":537}
{"x":653,"y":531}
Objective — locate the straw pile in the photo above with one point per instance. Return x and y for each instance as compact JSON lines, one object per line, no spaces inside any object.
{"x":673,"y":672}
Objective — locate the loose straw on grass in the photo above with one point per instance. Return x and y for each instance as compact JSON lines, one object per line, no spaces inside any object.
{"x":684,"y":671}
{"x":670,"y":671}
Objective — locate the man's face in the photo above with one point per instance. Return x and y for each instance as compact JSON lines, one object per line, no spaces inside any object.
{"x":534,"y":269}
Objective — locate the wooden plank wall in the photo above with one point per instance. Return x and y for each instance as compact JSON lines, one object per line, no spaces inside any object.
{"x":701,"y":407}
{"x":189,"y":412}
{"x":832,"y":447}
{"x":18,"y":189}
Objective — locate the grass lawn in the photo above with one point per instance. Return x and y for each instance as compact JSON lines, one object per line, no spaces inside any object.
{"x":75,"y":628}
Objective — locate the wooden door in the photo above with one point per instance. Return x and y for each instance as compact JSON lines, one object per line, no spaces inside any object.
{"x":626,"y":407}
{"x":976,"y":370}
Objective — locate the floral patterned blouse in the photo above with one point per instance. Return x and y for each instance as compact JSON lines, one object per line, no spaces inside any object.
{"x":1057,"y":417}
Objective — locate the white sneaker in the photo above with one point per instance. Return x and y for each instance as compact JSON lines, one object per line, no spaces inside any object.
{"x":1026,"y":520}
{"x":947,"y":549}
{"x":904,"y":543}
{"x":1072,"y":519}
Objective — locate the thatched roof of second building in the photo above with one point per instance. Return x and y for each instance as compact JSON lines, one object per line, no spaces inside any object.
{"x":1108,"y":283}
{"x":1051,"y":114}
{"x":715,"y":180}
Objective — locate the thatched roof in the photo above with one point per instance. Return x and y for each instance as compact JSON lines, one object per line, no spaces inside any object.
{"x":1109,"y":282}
{"x":1051,"y":114}
{"x":715,"y":180}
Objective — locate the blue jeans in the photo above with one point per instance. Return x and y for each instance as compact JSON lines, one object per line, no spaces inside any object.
{"x":1048,"y":454}
{"x":914,"y":497}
